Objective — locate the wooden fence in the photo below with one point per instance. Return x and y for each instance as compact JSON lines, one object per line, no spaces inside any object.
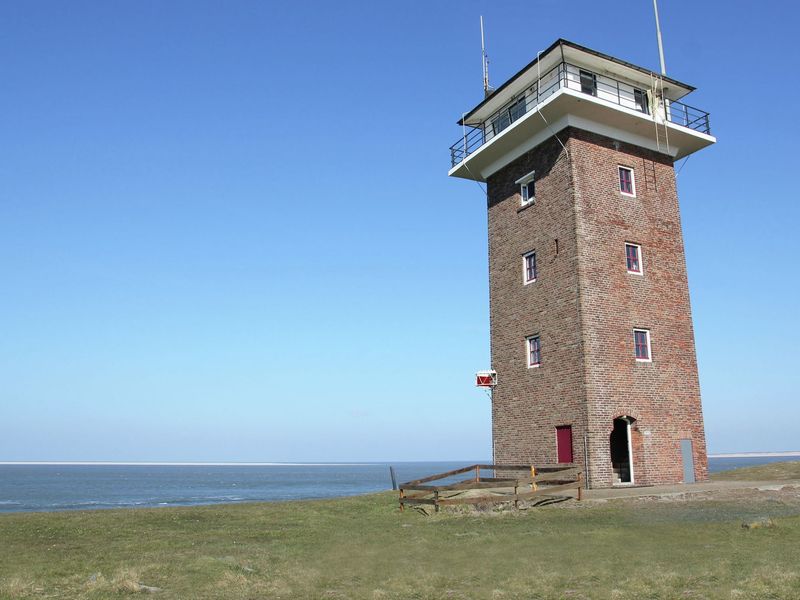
{"x":508,"y":483}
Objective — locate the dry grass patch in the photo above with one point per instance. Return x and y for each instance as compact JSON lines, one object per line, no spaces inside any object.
{"x":364,"y":548}
{"x":16,"y":587}
{"x":777,"y":471}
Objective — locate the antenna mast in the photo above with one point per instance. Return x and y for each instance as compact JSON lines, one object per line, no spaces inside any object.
{"x":658,"y":33}
{"x":487,"y":89}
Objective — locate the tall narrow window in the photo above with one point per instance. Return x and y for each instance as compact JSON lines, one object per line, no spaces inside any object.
{"x":633,"y":258}
{"x":534,"y":351}
{"x":509,"y":115}
{"x":529,"y":267}
{"x":626,"y":183}
{"x":588,"y":83}
{"x":641,"y":342}
{"x":528,"y":191}
{"x":527,"y":188}
{"x":640,"y":100}
{"x":516,"y":110}
{"x":500,"y":122}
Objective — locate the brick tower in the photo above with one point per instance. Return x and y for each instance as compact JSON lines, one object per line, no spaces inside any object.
{"x":591,"y":327}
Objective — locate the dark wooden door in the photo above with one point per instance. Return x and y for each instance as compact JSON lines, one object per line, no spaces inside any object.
{"x":564,"y":443}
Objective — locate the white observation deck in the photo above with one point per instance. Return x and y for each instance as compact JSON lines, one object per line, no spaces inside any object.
{"x":570,"y":85}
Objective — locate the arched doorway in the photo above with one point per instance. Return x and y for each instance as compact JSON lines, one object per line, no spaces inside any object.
{"x":622,"y":451}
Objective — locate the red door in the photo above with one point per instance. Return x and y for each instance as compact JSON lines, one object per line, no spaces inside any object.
{"x":564,"y":443}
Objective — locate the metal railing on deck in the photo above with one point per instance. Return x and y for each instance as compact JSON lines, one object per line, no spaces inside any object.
{"x":568,"y":76}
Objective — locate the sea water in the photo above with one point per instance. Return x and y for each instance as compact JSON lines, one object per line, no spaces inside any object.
{"x":54,"y":487}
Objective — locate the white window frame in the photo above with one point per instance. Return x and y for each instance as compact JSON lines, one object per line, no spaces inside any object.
{"x":528,"y":351}
{"x":639,"y":256}
{"x":523,"y":182}
{"x":633,"y":181}
{"x":525,"y":256}
{"x":649,"y":347}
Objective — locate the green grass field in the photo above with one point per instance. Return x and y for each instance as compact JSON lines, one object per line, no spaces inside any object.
{"x":363,"y":547}
{"x":778,"y":471}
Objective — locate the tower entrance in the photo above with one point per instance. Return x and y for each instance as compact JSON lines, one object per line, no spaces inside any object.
{"x":622,"y":451}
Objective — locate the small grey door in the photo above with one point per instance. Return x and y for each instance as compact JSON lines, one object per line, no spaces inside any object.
{"x":688,"y":461}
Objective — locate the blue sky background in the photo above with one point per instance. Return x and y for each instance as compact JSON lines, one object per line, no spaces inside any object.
{"x":226,"y":230}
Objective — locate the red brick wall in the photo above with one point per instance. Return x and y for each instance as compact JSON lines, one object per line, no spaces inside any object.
{"x":528,"y":404}
{"x":585,"y":306}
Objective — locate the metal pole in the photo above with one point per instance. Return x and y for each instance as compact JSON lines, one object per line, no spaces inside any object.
{"x":484,"y":63}
{"x":491,"y":410}
{"x":464,"y":133}
{"x":586,"y":457}
{"x":660,"y":45}
{"x":394,"y":478}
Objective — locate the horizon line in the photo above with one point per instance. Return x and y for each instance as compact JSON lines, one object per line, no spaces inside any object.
{"x":753,"y":454}
{"x":183,"y":463}
{"x":215,"y":463}
{"x":313,"y":463}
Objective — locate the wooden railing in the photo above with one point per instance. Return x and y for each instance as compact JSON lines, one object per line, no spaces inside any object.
{"x":509,"y":483}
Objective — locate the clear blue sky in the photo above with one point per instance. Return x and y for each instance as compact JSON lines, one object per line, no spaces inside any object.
{"x":226,"y":230}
